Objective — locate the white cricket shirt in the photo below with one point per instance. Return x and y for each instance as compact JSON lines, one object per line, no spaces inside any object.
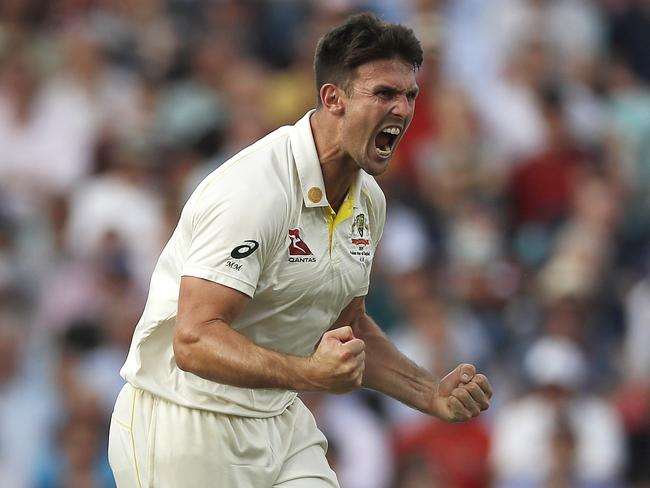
{"x":261,"y":224}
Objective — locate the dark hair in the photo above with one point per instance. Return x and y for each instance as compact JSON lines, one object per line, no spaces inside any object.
{"x":361,"y":39}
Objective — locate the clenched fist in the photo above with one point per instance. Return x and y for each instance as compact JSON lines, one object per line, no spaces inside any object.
{"x":337,"y":364}
{"x":462,"y":395}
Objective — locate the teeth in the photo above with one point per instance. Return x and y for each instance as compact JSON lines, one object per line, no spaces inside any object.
{"x":384,"y":152}
{"x":392,"y":130}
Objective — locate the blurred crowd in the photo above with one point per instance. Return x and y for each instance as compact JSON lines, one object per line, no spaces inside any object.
{"x":518,"y":231}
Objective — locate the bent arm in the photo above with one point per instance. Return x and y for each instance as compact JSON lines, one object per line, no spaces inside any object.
{"x":387,"y":369}
{"x":206,"y":345}
{"x":460,"y":395}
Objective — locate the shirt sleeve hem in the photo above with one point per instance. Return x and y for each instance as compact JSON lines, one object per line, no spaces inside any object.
{"x":219,"y":277}
{"x":362,"y":293}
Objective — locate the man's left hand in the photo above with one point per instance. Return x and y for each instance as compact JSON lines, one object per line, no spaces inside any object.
{"x":462,"y":394}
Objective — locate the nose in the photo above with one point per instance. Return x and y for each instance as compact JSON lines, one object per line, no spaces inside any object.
{"x":402,"y":106}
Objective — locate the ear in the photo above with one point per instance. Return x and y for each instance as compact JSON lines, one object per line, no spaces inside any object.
{"x":332,"y":99}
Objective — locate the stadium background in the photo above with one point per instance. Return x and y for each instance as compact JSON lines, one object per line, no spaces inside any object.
{"x":517,"y":234}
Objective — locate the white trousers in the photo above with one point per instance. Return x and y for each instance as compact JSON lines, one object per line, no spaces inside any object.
{"x":154,"y":443}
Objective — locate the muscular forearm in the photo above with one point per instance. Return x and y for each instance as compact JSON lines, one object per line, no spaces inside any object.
{"x":460,"y":395}
{"x":390,"y":372}
{"x":206,"y":345}
{"x":219,"y":353}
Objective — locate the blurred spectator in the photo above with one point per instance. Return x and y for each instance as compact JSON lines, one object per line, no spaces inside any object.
{"x":543,"y":184}
{"x":26,"y":399}
{"x":511,"y":114}
{"x":192,"y":108}
{"x":436,"y":454}
{"x":453,"y":167}
{"x":558,"y":434}
{"x":583,"y":246}
{"x":77,"y":461}
{"x":628,"y":113}
{"x":633,"y":396}
{"x":289,"y":93}
{"x":137,"y":35}
{"x":120,"y":208}
{"x":407,"y":246}
{"x":361,"y":455}
{"x":76,"y":452}
{"x":479,"y":274}
{"x":630,"y":34}
{"x":637,"y":339}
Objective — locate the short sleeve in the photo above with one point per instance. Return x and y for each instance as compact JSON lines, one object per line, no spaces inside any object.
{"x":229,"y":237}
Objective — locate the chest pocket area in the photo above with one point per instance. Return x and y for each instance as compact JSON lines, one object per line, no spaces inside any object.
{"x":358,"y":249}
{"x":299,"y":265}
{"x":360,"y":244}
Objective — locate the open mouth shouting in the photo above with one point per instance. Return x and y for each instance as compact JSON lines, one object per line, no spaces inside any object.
{"x":385,"y":141}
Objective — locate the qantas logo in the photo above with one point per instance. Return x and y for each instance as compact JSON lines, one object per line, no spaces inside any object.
{"x":298,"y":247}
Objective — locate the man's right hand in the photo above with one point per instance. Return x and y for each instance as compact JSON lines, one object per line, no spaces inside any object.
{"x":337,"y":364}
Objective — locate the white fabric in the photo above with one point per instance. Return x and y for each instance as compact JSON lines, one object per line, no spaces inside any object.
{"x":155,"y":443}
{"x":522,"y":440}
{"x":637,"y":339}
{"x":110,"y":203}
{"x":53,"y":148}
{"x":259,"y":196}
{"x":364,"y":456}
{"x":21,"y":442}
{"x":556,"y":361}
{"x":405,"y":246}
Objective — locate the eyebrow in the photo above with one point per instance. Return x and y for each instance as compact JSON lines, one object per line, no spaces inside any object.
{"x":413,"y":92}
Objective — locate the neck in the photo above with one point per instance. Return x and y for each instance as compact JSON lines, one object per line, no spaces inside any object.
{"x":339,"y":170}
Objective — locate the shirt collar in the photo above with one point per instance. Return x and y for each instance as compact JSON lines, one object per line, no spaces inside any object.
{"x":358,"y":187}
{"x":309,"y":168}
